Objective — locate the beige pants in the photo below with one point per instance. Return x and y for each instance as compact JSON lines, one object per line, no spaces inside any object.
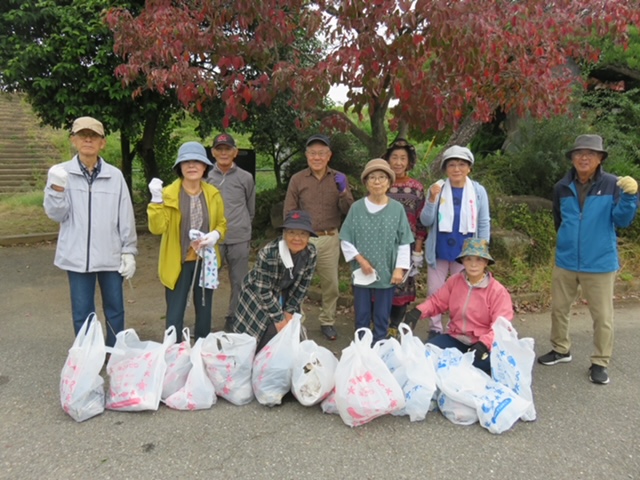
{"x":597,"y":290}
{"x":328,"y":248}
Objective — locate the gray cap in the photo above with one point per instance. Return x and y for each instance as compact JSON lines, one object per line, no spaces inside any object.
{"x":461,"y":153}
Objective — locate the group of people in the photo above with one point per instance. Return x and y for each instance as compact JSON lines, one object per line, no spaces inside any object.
{"x":204,"y":218}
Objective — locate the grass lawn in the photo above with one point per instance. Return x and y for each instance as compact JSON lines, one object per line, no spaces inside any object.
{"x":23,"y":214}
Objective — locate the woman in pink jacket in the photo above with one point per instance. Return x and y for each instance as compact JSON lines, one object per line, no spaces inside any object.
{"x":474,"y":300}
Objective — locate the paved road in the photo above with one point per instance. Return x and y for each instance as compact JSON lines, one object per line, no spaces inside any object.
{"x":583,"y":431}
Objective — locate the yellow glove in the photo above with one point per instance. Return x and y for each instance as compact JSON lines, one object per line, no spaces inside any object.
{"x":628,"y":185}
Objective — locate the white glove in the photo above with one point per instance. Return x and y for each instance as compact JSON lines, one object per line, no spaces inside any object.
{"x":417,"y":259}
{"x":155,"y":187}
{"x":210,"y":239}
{"x":127,"y":265}
{"x":57,"y":176}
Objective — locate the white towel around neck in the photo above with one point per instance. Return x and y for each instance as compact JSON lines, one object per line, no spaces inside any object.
{"x":468,"y":209}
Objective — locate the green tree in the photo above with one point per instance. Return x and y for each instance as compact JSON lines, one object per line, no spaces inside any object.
{"x":60,"y":53}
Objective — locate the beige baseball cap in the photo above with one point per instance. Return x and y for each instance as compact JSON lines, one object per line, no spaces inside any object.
{"x":87,"y":123}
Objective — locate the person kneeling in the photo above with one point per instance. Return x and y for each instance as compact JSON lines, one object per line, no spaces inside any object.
{"x":277,"y":285}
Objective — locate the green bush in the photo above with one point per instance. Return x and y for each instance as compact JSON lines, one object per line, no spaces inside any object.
{"x":538,"y":226}
{"x":534,"y":159}
{"x":265,"y":200}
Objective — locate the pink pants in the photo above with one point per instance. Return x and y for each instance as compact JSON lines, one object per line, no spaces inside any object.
{"x":435,"y":279}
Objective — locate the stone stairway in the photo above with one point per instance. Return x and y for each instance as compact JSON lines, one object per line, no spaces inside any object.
{"x":25,"y":149}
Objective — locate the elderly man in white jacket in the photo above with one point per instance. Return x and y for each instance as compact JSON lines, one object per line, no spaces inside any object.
{"x":97,"y":239}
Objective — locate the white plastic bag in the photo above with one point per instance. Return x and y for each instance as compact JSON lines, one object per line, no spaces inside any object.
{"x":457,"y":380}
{"x":512,"y":362}
{"x":228,"y":360}
{"x":365,"y":388}
{"x":81,"y":386}
{"x":178,"y":360}
{"x":415,"y":375}
{"x":313,"y":375}
{"x":387,"y":350}
{"x":273,"y":365}
{"x":136,"y":372}
{"x":499,"y":407}
{"x":328,"y":405}
{"x":197,"y":392}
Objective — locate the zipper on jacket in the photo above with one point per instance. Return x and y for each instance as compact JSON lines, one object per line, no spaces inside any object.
{"x":464,"y":311}
{"x":88,"y":229}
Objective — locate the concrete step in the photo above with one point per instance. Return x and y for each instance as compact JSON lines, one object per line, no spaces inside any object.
{"x":18,"y":182}
{"x":26,"y":172}
{"x":16,"y":189}
{"x":24,"y":165}
{"x":26,"y":161}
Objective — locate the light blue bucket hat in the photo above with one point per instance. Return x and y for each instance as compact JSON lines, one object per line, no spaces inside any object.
{"x":192,"y":151}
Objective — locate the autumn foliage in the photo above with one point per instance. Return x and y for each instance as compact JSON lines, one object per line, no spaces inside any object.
{"x":442,"y":60}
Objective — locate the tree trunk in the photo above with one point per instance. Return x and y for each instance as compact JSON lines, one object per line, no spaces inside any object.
{"x":127,"y":161}
{"x":145,"y":148}
{"x":462,"y":136}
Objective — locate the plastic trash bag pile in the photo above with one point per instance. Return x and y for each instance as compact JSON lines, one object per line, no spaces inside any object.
{"x":401,"y":378}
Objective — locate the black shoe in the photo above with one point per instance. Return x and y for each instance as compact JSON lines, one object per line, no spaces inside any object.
{"x":329,"y":331}
{"x":598,"y":374}
{"x":554,"y":357}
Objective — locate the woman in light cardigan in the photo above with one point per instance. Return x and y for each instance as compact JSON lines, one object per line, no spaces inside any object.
{"x":456,"y":209}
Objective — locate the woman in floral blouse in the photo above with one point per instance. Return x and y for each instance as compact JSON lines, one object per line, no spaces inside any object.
{"x":401,"y":156}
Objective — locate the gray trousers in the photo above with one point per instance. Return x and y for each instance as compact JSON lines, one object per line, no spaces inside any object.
{"x":236,"y":259}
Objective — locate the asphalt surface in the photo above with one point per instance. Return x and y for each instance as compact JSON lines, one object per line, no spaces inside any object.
{"x":583,"y":431}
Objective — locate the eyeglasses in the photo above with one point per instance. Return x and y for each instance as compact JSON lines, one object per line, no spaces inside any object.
{"x":591,"y":154}
{"x":377,"y":178}
{"x":459,"y":165}
{"x":318,"y":153}
{"x":302,"y":234}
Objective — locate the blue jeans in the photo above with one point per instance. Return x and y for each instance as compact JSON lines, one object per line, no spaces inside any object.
{"x":83,"y":290}
{"x":373,"y":305}
{"x":177,"y":302}
{"x":447,"y":341}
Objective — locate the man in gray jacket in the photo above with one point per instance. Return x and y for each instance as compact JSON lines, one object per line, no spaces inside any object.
{"x":97,"y":241}
{"x":239,"y":196}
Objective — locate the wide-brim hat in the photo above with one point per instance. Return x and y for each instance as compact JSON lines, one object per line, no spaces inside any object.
{"x":192,"y":151}
{"x":87,"y":123}
{"x":588,"y":142}
{"x":298,"y":220}
{"x":377,"y":164}
{"x":456,"y":151}
{"x":476,"y":247}
{"x":224,"y":139}
{"x":401,"y":143}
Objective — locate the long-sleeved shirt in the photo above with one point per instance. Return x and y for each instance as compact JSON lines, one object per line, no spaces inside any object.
{"x":319,"y":198}
{"x":472,"y":309}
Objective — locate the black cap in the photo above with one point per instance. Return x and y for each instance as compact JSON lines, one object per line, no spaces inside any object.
{"x":318,"y":137}
{"x":224,"y":139}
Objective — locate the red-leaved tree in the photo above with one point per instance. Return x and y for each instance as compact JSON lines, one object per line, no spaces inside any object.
{"x":445,"y":63}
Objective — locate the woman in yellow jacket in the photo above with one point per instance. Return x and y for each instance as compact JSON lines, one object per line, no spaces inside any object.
{"x":188,"y":204}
